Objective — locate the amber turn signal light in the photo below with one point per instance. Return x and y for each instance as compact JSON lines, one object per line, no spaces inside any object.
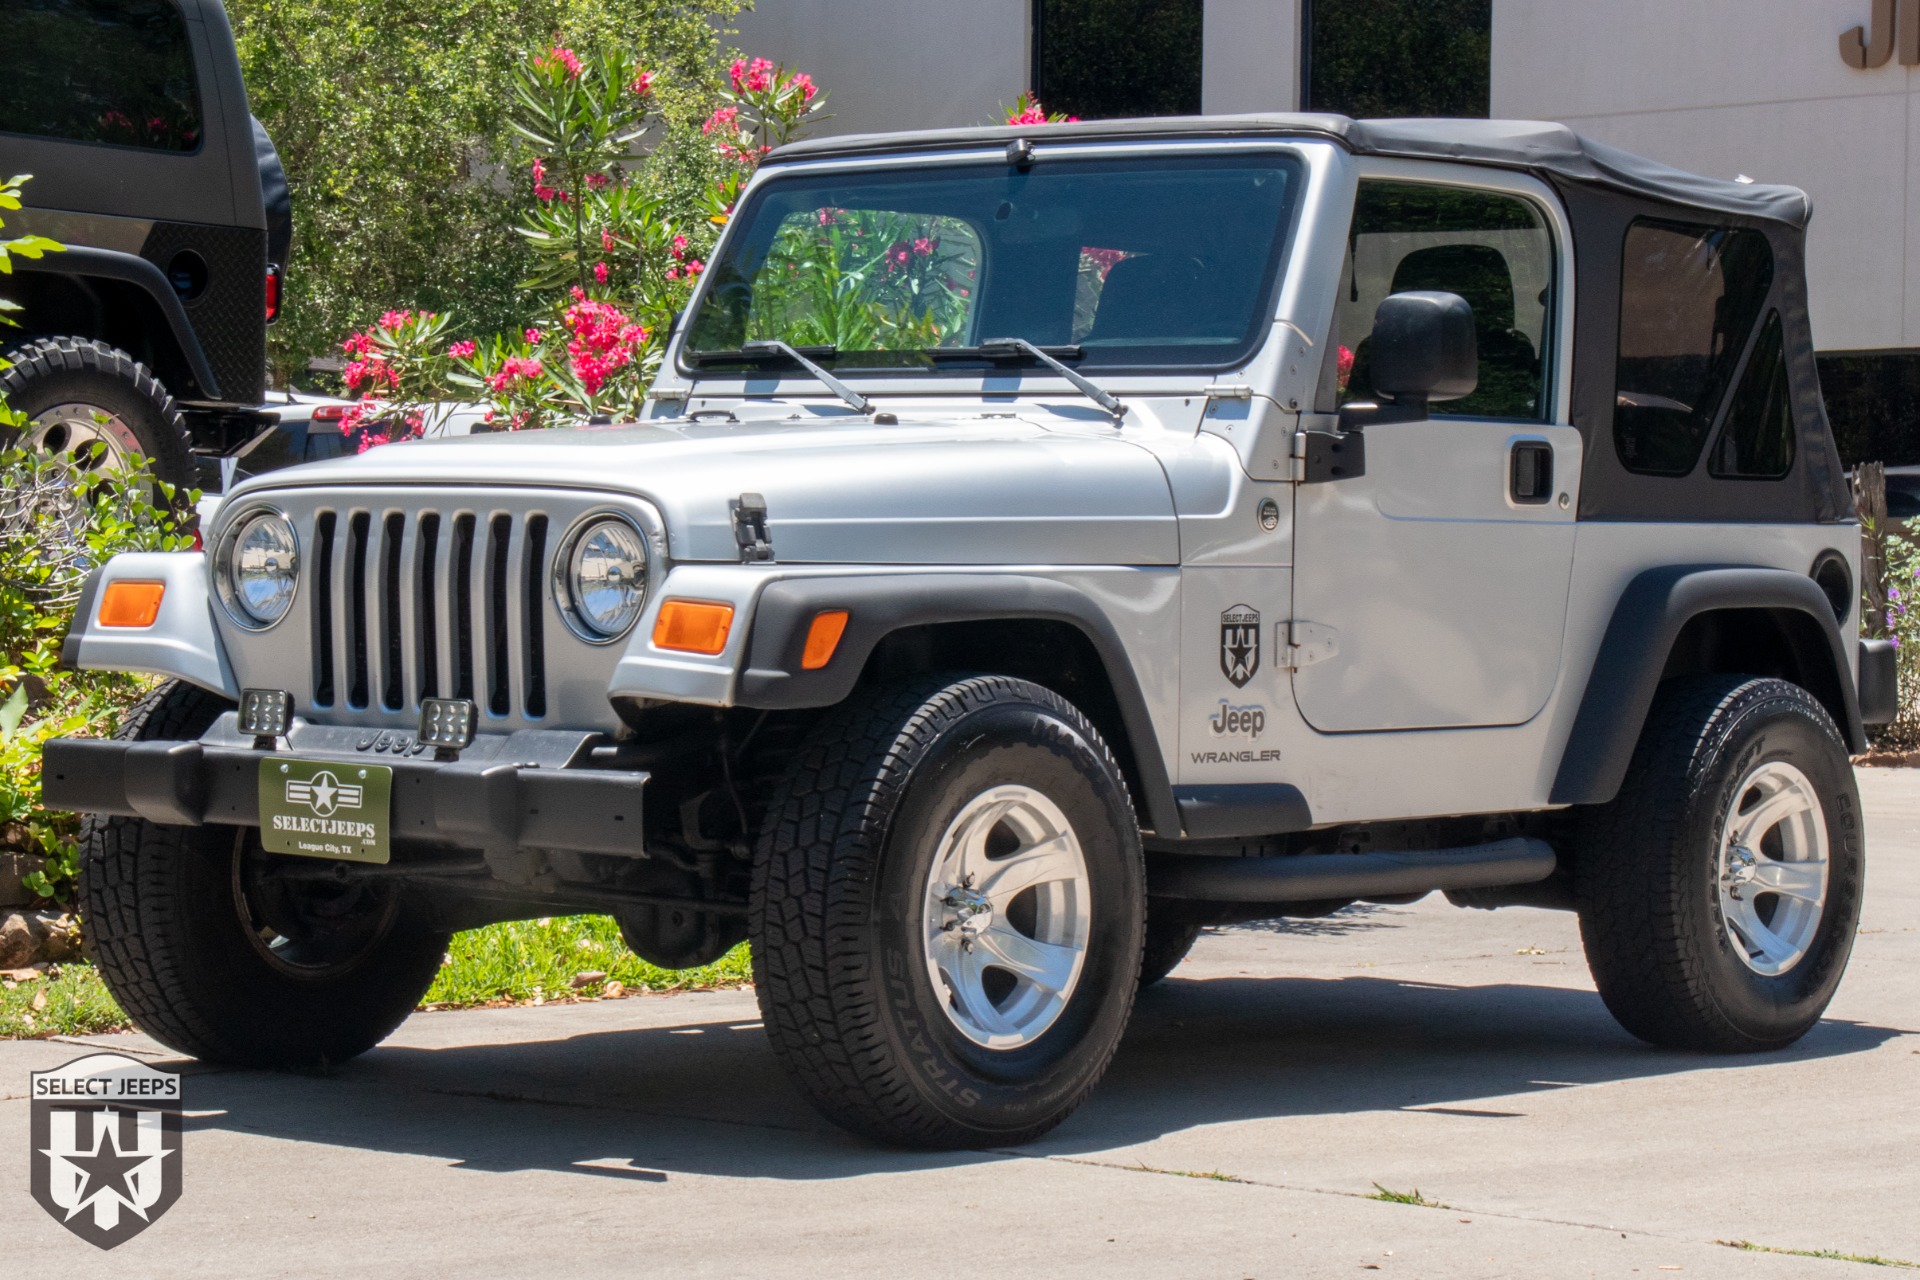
{"x":131,"y":604}
{"x":693,"y":626}
{"x":823,"y":637}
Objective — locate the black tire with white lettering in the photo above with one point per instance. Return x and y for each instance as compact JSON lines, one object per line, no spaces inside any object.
{"x":947,"y":912}
{"x":211,"y":952}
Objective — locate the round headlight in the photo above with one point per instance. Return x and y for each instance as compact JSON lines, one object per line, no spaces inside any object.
{"x":603,"y":579}
{"x":261,"y":569}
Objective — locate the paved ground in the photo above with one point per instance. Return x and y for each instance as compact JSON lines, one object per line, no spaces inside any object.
{"x":1260,"y":1096}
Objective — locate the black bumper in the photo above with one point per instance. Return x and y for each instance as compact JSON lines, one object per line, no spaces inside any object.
{"x":522,"y":791}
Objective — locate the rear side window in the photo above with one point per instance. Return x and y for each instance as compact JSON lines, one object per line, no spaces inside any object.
{"x":1756,"y":440}
{"x":1689,"y":299}
{"x":110,"y":71}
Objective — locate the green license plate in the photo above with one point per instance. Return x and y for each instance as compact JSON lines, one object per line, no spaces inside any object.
{"x":325,"y":809}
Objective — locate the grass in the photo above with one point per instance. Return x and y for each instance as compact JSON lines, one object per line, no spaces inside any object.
{"x":1404,"y":1197}
{"x":1832,"y":1255}
{"x":531,"y":962}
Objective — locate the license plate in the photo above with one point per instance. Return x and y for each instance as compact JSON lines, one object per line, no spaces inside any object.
{"x":325,"y":809}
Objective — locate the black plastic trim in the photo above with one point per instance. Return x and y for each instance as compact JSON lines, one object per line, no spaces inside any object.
{"x":1323,"y":877}
{"x":1240,"y":810}
{"x":82,"y":616}
{"x":111,"y":264}
{"x":1633,"y":655}
{"x":879,"y":605}
{"x":1879,"y":682}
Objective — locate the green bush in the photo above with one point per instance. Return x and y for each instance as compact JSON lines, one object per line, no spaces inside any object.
{"x":392,"y":118}
{"x":59,"y":519}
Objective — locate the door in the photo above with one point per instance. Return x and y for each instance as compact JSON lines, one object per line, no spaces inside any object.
{"x":1431,"y":591}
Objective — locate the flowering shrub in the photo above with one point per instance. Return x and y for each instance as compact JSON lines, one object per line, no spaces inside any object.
{"x":1026,"y":109}
{"x":1901,"y":576}
{"x":616,"y":260}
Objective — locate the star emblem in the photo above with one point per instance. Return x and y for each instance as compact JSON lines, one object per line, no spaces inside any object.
{"x":325,"y":791}
{"x":103,"y":1171}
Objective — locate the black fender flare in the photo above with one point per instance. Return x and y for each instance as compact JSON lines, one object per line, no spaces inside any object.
{"x":880,"y":604}
{"x":1640,"y":636}
{"x":111,"y":264}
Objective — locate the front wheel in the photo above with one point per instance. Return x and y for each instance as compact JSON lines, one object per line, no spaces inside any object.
{"x":233,"y":955}
{"x":1720,"y":891}
{"x":946,"y":913}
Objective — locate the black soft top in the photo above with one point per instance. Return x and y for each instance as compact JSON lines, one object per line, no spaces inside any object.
{"x":1533,"y":145}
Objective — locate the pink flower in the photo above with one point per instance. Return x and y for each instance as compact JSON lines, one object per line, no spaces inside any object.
{"x":512,"y":368}
{"x":1345,"y":366}
{"x":600,"y":272}
{"x":595,"y":181}
{"x":695,"y":267}
{"x":606,"y":241}
{"x":829,"y":216}
{"x":1032,"y":115}
{"x":544,"y":192}
{"x":804,"y":83}
{"x":723,"y":118}
{"x":534,"y":337}
{"x":738,"y":71}
{"x":359,"y":344}
{"x":922,"y":247}
{"x":759,"y":76}
{"x":602,"y":340}
{"x":673,"y":273}
{"x":679,"y":246}
{"x":564,"y":57}
{"x":461,"y":350}
{"x":394,"y":319}
{"x":643,"y":84}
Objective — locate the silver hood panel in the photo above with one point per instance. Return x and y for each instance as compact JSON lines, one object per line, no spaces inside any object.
{"x":988,"y":490}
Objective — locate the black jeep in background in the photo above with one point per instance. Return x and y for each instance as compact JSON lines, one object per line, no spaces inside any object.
{"x":148,"y":335}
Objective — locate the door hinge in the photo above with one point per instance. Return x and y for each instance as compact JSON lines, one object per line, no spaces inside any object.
{"x":1304,"y":643}
{"x":1321,"y":456}
{"x":750,"y":528}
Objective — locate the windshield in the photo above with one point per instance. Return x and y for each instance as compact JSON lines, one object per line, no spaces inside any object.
{"x":1137,"y":263}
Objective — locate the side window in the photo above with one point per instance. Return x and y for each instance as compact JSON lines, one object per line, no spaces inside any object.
{"x":1756,"y":440}
{"x":1493,"y":250}
{"x":112,"y":71}
{"x":1689,"y":298}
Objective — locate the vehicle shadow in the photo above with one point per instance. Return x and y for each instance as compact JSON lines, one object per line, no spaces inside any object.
{"x":708,"y":1098}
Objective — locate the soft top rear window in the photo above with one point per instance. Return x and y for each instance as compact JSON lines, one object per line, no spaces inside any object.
{"x":1163,"y":262}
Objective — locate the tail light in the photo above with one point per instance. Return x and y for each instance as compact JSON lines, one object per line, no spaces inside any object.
{"x":273,"y":292}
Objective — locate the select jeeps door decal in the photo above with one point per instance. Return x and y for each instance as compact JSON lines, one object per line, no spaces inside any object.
{"x":1240,"y":644}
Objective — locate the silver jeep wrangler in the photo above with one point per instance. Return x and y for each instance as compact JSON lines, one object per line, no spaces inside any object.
{"x":1046,"y":543}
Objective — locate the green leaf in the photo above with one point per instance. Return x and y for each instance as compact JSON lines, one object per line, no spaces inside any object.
{"x":13,"y":710}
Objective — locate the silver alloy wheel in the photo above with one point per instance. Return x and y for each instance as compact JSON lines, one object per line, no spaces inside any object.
{"x":1773,"y":868}
{"x":1007,"y":914}
{"x":71,"y":428}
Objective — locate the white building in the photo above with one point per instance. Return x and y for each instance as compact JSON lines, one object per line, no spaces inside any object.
{"x":1821,"y":94}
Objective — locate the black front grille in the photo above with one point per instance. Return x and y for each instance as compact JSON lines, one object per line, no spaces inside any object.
{"x":416,"y":605}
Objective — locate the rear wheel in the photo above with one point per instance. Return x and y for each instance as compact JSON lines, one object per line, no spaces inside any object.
{"x":98,"y":405}
{"x":1719,"y":893}
{"x":946,"y":915}
{"x":232,"y":955}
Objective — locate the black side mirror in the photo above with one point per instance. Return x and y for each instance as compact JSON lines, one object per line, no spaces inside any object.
{"x":1424,"y":349}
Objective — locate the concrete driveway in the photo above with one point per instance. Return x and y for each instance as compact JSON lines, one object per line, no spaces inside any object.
{"x":1261,"y":1095}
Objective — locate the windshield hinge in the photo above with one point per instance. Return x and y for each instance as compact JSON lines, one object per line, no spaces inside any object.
{"x":1227,"y":391}
{"x":750,"y":528}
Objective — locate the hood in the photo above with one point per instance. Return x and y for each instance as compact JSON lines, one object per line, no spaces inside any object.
{"x":978,"y":490}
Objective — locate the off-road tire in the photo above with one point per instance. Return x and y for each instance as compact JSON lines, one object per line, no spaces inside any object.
{"x":1647,"y":866}
{"x":839,"y":878}
{"x":53,"y":371}
{"x":160,"y":921}
{"x":1170,"y":935}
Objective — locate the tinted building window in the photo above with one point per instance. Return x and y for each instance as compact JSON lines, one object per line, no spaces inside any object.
{"x":1101,"y":59}
{"x":1378,"y":58}
{"x":111,"y":71}
{"x":1756,"y":440}
{"x":1873,"y":402}
{"x":1493,"y":250}
{"x":1689,"y":298}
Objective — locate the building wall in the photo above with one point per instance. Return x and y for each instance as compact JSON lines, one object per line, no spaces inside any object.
{"x":1250,"y":59}
{"x":1755,"y":87}
{"x":898,"y":64}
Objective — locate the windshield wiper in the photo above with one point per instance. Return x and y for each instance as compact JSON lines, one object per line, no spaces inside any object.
{"x":1002,"y":348}
{"x":782,"y":350}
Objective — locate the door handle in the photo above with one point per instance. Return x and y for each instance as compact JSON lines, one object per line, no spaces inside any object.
{"x":1530,"y":472}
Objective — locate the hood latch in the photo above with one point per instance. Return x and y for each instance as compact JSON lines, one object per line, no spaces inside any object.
{"x":750,"y":528}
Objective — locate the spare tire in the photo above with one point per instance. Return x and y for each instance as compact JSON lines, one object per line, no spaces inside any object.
{"x":95,"y":401}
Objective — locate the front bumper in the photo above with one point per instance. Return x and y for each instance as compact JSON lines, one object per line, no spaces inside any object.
{"x":533,"y":789}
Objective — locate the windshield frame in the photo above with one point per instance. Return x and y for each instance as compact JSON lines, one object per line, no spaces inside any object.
{"x":957,"y":373}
